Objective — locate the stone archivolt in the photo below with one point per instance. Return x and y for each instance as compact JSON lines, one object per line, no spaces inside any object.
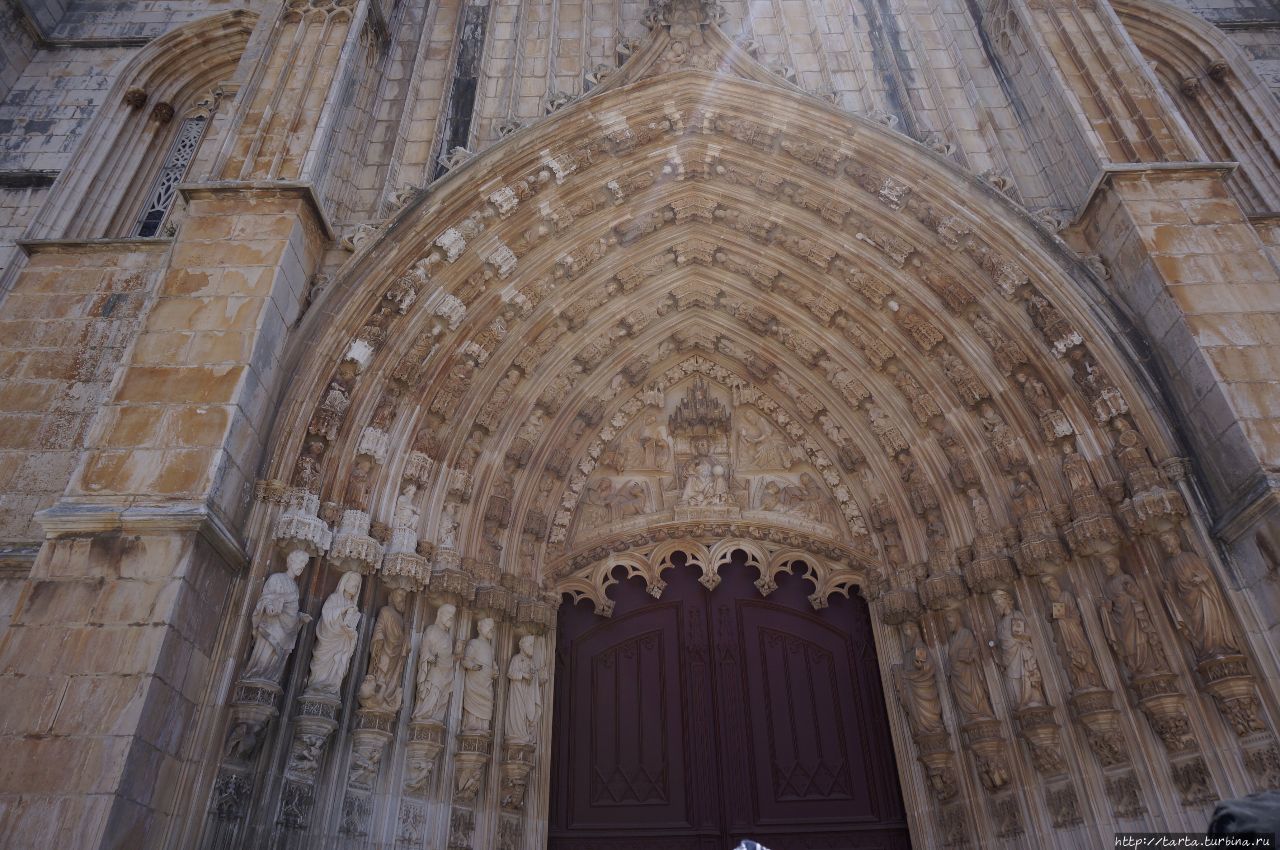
{"x":508,"y":343}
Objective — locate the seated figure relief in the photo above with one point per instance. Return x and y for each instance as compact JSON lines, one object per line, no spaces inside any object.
{"x":692,"y":450}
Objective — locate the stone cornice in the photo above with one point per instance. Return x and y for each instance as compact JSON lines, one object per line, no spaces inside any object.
{"x":282,"y":189}
{"x":69,"y":519}
{"x":1122,"y":169}
{"x":28,"y":178}
{"x":44,"y":41}
{"x":133,"y":243}
{"x":1254,"y":504}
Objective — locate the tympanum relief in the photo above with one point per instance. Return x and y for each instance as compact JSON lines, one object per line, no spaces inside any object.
{"x":694,"y":454}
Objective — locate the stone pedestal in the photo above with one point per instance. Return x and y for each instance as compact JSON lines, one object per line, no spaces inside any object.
{"x":517,"y":763}
{"x":426,"y":740}
{"x":469,"y":762}
{"x":314,"y":723}
{"x":988,"y":746}
{"x":371,"y":733}
{"x":938,"y":759}
{"x":253,"y":705}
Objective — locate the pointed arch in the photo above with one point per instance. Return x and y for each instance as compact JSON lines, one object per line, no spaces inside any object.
{"x":898,"y":300}
{"x":1227,"y":105}
{"x":100,"y":191}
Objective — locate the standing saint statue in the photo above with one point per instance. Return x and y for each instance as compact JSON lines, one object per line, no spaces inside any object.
{"x":1073,"y":645}
{"x":524,"y":695}
{"x":477,"y":688}
{"x":917,"y":685}
{"x":435,"y":668}
{"x":336,"y":637}
{"x":964,"y":661}
{"x":381,"y":689}
{"x":1127,"y":623}
{"x":1017,"y":655}
{"x":1203,"y":615}
{"x":277,"y":621}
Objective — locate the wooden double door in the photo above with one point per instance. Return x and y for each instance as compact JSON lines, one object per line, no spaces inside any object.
{"x":693,"y":721}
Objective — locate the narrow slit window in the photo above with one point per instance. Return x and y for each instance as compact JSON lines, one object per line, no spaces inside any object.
{"x":160,"y":198}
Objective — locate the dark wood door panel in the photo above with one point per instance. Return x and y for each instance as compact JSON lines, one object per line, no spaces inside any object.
{"x":690,"y":722}
{"x":626,"y":742}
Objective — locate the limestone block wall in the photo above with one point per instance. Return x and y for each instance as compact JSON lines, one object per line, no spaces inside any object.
{"x":184,"y":417}
{"x":123,"y":620}
{"x":40,"y":124}
{"x":65,"y":329}
{"x":20,"y":46}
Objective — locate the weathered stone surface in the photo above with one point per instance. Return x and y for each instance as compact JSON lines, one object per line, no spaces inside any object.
{"x":781,"y":284}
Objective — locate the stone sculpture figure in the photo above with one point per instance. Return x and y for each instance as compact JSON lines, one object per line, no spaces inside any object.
{"x":646,"y":446}
{"x":524,"y":694}
{"x":758,"y":445}
{"x":1202,"y":611}
{"x":407,"y":514}
{"x":597,"y":501}
{"x":700,"y":482}
{"x":335,"y":637}
{"x":359,"y":483}
{"x":1127,"y":623}
{"x":435,"y":668}
{"x":307,"y":471}
{"x":449,"y":527}
{"x":813,"y":503}
{"x":1017,"y":655}
{"x":916,"y":683}
{"x":631,"y":499}
{"x":481,"y":671}
{"x":1073,"y":645}
{"x":276,"y":621}
{"x":1027,"y":497}
{"x":964,"y":662}
{"x":381,"y":689}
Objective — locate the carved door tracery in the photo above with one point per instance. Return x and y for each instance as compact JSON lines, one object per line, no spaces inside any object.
{"x":709,"y":716}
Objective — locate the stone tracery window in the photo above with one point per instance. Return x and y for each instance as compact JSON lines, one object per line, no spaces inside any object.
{"x":165,"y":189}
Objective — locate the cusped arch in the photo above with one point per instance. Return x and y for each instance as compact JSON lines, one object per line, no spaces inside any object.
{"x":588,"y":575}
{"x":543,"y":259}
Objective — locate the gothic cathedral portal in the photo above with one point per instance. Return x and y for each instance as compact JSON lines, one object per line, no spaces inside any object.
{"x":636,"y":424}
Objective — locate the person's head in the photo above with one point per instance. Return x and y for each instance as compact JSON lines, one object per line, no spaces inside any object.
{"x":444,"y":616}
{"x":485,"y":628}
{"x":296,"y":561}
{"x":349,"y":585}
{"x":527,"y":644}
